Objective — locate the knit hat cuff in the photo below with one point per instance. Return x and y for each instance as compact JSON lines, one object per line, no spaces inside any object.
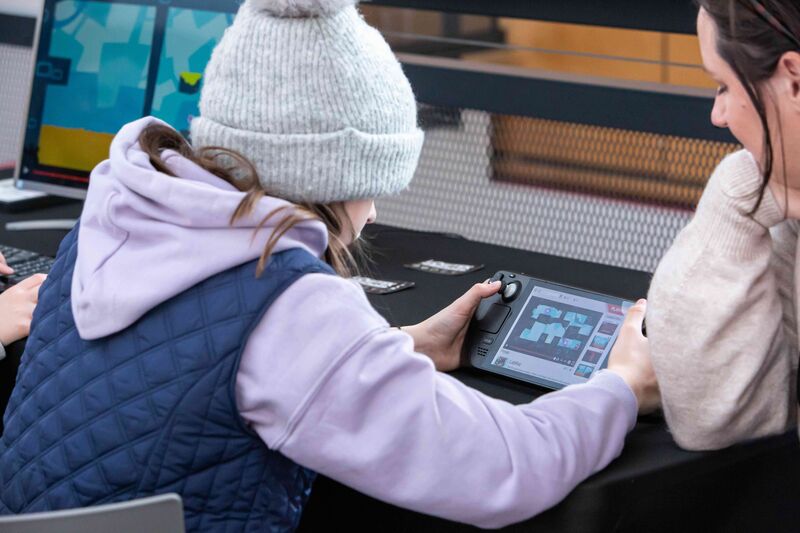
{"x":324,"y":167}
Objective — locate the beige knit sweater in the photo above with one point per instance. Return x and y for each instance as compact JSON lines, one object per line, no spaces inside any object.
{"x":721,"y":315}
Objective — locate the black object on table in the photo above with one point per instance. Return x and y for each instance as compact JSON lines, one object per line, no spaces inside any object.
{"x":654,"y":486}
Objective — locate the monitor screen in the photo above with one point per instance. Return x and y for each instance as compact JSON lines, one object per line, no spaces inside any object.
{"x":103,"y":63}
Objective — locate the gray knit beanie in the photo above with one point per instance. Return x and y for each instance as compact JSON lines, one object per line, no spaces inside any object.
{"x":314,"y":97}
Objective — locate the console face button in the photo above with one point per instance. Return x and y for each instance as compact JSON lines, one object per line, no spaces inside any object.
{"x":493,"y":320}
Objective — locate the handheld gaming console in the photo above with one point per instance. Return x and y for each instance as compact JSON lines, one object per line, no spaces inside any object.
{"x":544,"y":333}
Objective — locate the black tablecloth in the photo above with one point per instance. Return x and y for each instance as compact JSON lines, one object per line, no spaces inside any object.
{"x":653,"y":486}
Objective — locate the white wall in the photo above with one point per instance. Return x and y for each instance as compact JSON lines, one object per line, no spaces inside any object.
{"x":15,"y":71}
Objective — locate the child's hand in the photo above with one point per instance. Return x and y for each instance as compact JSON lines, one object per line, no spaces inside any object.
{"x":441,"y":336}
{"x":630,"y":359}
{"x":16,"y":309}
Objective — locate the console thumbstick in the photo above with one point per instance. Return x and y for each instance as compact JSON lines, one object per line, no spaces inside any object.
{"x":511,"y":291}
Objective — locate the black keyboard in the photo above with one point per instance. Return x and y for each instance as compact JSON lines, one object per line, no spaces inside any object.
{"x":25,"y":263}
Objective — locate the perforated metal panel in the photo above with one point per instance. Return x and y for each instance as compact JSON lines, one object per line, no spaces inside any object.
{"x":15,"y":73}
{"x":639,"y":166}
{"x":610,"y":196}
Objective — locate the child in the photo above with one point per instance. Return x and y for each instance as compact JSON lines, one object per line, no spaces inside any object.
{"x":205,"y":345}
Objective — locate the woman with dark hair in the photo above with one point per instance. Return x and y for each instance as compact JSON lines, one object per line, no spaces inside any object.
{"x":721,"y":316}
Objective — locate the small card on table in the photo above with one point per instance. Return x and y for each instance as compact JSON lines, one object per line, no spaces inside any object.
{"x":381,"y":286}
{"x":440,"y":267}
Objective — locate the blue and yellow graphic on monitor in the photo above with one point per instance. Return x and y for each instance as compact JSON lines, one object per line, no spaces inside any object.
{"x":97,"y":70}
{"x":189,"y":39}
{"x":104,"y":63}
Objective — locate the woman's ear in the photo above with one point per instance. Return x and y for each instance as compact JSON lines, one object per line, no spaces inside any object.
{"x":789,"y":69}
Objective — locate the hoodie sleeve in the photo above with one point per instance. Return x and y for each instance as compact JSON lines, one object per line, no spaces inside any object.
{"x":341,"y":393}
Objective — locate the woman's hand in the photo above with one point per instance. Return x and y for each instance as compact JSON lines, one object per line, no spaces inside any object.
{"x":630,"y":359}
{"x":16,"y":309}
{"x":441,"y":336}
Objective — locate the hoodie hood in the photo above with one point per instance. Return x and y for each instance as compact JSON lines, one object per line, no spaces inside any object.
{"x":146,"y":236}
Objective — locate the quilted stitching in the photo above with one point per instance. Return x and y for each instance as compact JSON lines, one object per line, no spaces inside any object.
{"x":151,"y":409}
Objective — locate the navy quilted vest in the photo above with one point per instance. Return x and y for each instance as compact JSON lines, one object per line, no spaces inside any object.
{"x":150,"y":409}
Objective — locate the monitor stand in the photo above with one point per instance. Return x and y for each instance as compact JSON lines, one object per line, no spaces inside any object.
{"x":14,"y":200}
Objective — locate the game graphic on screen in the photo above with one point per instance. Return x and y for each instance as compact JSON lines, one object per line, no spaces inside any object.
{"x":189,"y":39}
{"x":561,"y":335}
{"x":104,"y":63}
{"x":554,"y":331}
{"x":98,"y":62}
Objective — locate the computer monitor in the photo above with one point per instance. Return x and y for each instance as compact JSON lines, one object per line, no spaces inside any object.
{"x":103,"y":63}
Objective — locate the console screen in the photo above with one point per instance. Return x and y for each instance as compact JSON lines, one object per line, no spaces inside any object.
{"x":563,"y":335}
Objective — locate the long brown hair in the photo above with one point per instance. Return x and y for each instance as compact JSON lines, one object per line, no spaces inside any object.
{"x":237,"y":170}
{"x":753,"y":47}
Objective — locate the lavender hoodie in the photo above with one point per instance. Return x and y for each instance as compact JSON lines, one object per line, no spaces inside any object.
{"x":323,"y":379}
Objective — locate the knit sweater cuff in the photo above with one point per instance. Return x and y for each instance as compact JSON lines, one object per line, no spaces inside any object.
{"x":742,"y":183}
{"x":728,"y":200}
